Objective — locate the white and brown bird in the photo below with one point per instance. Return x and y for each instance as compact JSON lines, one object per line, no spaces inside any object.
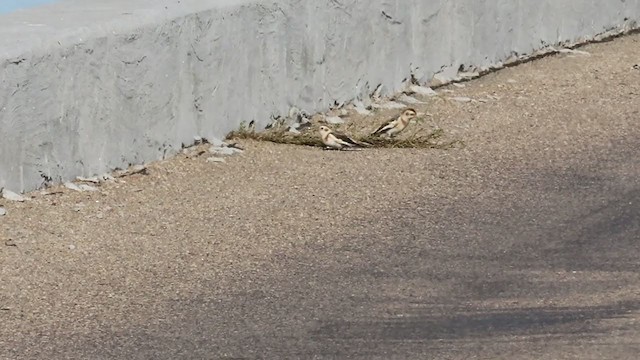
{"x":394,"y":126}
{"x":338,"y":141}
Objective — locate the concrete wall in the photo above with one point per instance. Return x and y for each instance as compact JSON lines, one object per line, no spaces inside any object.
{"x":87,"y":86}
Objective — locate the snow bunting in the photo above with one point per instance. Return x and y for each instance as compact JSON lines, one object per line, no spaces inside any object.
{"x":396,"y":125}
{"x":337,"y":141}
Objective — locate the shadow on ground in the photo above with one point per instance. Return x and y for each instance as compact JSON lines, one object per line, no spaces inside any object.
{"x":481,"y":324}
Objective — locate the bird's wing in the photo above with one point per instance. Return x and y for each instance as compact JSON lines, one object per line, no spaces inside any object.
{"x":386,"y":126}
{"x":345,"y":139}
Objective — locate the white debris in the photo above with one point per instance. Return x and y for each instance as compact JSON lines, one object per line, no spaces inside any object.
{"x":497,"y":66}
{"x":11,"y":196}
{"x":3,"y":211}
{"x":94,"y":179}
{"x":224,"y":151}
{"x":458,"y":85}
{"x":293,"y":112}
{"x":72,"y":186}
{"x":236,"y":150}
{"x":574,"y":52}
{"x":462,"y":99}
{"x":362,"y":111}
{"x":72,"y":247}
{"x":390,"y":105}
{"x":85,"y":187}
{"x":293,"y":130}
{"x":404,"y":98}
{"x":469,"y":75}
{"x":511,"y":81}
{"x":360,"y":108}
{"x":214,"y":159}
{"x":107,"y":177}
{"x":333,"y":120}
{"x":422,"y":90}
{"x":138,"y":169}
{"x":513,"y":59}
{"x":545,"y":51}
{"x":443,"y":77}
{"x":366,"y":102}
{"x":215,"y":141}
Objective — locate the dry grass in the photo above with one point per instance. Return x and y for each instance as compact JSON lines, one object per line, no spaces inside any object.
{"x":420,"y":139}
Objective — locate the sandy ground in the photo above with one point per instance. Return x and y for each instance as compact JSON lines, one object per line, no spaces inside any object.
{"x":524,"y":244}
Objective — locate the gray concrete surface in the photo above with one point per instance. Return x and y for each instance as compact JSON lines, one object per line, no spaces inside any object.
{"x":522,"y":245}
{"x":87,"y":87}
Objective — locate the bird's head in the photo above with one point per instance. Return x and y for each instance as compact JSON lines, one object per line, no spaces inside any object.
{"x":409,"y":114}
{"x":324,"y":131}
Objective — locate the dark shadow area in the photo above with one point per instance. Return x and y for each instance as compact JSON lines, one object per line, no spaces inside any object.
{"x":466,"y":325}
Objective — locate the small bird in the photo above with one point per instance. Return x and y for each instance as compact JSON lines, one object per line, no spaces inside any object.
{"x":338,"y":141}
{"x":396,"y":125}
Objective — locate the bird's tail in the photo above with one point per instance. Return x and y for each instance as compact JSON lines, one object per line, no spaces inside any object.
{"x":364,"y":144}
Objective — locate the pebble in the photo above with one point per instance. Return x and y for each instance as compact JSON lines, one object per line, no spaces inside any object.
{"x":333,"y":120}
{"x":72,"y":247}
{"x":11,"y":196}
{"x":3,"y":211}
{"x":511,"y":81}
{"x":458,"y":85}
{"x":214,"y":159}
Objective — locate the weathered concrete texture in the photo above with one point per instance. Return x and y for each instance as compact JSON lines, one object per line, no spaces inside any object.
{"x":87,"y":88}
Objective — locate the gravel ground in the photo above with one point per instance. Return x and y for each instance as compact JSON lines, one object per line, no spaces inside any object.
{"x":524,"y":244}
